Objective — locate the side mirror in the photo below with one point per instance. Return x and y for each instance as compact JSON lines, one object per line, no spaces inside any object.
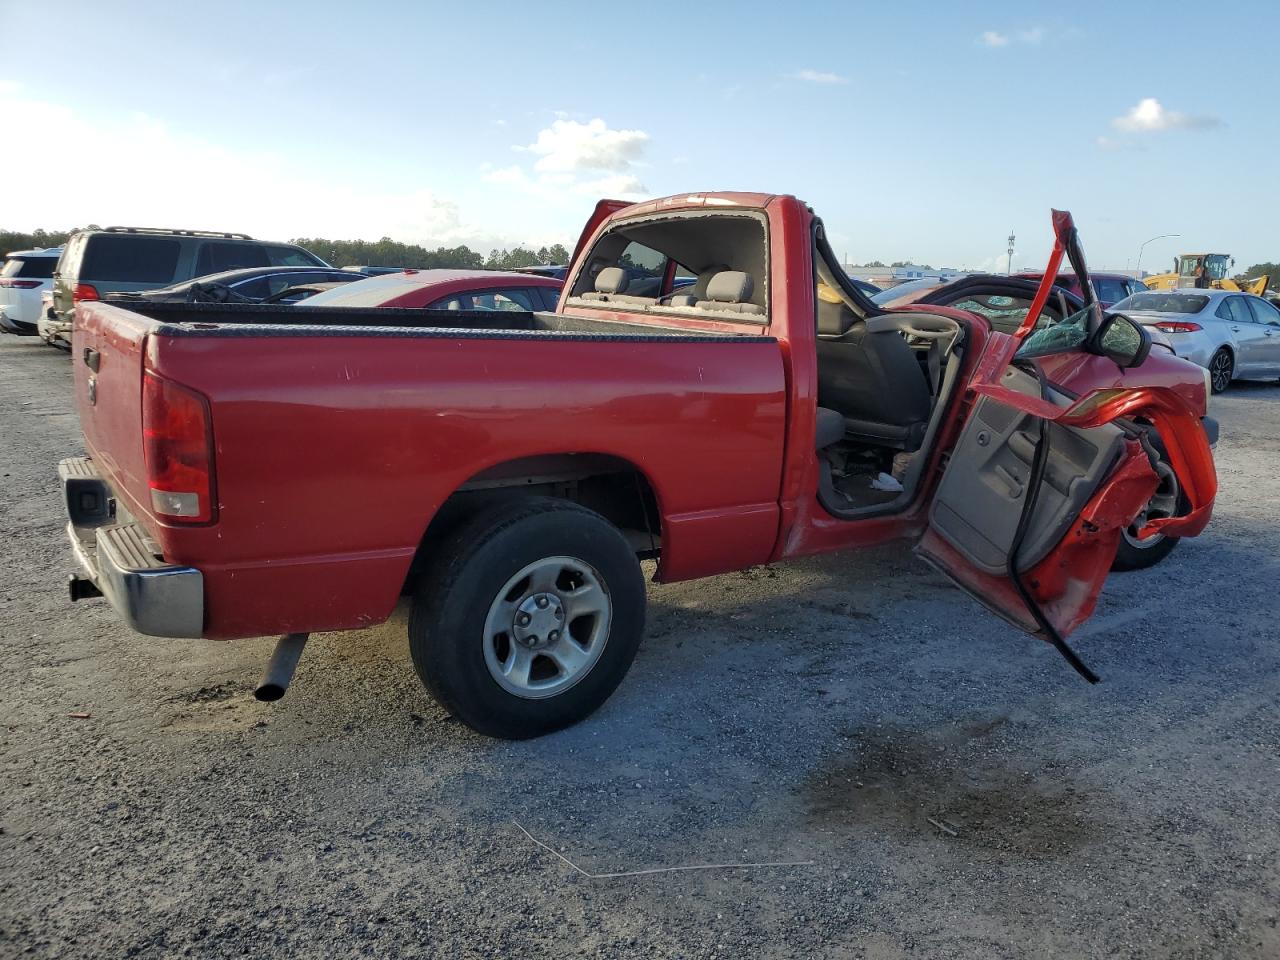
{"x":1125,"y":341}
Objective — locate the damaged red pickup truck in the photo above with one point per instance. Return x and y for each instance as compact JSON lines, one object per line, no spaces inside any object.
{"x":260,"y":469}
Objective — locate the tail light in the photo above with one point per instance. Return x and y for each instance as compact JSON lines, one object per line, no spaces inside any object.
{"x":20,"y":284}
{"x":177,"y":439}
{"x":84,"y":291}
{"x":1178,"y":326}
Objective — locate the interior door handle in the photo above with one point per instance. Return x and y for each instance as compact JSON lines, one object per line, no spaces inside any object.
{"x":92,"y":358}
{"x":1012,"y":482}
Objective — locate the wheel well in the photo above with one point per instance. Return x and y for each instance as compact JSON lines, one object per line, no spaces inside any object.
{"x":611,"y":486}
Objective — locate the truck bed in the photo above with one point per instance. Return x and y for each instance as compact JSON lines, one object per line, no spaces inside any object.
{"x":337,"y":434}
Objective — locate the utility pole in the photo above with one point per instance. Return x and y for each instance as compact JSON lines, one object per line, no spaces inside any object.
{"x":1011,"y":240}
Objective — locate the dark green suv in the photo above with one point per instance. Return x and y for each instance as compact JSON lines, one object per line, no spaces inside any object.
{"x":96,"y":262}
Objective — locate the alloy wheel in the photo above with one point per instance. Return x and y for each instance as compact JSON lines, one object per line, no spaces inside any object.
{"x":547,"y":627}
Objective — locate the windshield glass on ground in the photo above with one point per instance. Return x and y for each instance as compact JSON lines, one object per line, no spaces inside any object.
{"x":1162,"y":303}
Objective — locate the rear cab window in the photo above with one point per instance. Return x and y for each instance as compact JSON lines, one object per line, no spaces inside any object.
{"x":666,"y":264}
{"x":125,"y":258}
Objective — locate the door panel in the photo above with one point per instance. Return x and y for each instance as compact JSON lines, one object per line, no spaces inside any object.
{"x":980,"y":501}
{"x":1268,"y":320}
{"x":1248,"y":336}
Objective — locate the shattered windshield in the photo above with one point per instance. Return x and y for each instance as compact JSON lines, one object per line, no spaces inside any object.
{"x":1067,"y":334}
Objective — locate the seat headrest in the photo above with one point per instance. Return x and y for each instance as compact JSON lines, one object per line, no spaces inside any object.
{"x":612,"y":280}
{"x":730,"y":286}
{"x":699,"y":289}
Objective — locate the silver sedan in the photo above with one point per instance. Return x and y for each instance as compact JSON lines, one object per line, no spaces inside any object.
{"x":1235,"y":336}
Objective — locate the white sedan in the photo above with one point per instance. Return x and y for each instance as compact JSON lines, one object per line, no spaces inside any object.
{"x":26,"y":274}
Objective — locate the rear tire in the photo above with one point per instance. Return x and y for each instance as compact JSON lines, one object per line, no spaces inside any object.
{"x":1221,"y":367}
{"x":528,"y":619}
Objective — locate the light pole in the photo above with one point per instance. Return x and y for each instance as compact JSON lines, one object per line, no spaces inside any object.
{"x":1009,"y":271}
{"x":1163,"y":236}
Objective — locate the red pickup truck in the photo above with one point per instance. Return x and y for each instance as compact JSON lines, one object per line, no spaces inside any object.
{"x":261,"y":469}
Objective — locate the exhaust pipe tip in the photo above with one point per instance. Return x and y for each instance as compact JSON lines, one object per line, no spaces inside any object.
{"x":284,"y":660}
{"x":269,"y":692}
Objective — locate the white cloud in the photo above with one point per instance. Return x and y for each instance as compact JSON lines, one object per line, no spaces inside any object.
{"x":568,"y":145}
{"x":1031,"y":36}
{"x":818,"y":76}
{"x":579,"y":159}
{"x":1150,"y":116}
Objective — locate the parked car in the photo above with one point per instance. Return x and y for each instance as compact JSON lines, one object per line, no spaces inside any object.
{"x":252,"y":285}
{"x":511,"y":475}
{"x":1110,"y":287}
{"x":25,"y":275}
{"x":1236,"y":336}
{"x":118,"y":259}
{"x":446,"y":290}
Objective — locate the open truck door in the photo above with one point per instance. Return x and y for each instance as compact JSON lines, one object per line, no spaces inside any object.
{"x":1034,"y":498}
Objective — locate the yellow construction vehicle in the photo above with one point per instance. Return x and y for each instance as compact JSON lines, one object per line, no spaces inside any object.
{"x":1204,"y":270}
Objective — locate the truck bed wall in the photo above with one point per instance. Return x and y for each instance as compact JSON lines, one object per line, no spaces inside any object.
{"x":336,"y":445}
{"x":302,"y":318}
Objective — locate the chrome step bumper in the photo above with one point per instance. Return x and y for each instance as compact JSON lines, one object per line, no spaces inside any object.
{"x":120,"y":561}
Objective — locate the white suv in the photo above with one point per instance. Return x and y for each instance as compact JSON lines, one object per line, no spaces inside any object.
{"x":26,"y":274}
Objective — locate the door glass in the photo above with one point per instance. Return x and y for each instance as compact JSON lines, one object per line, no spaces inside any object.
{"x":216,"y":257}
{"x":1061,"y":337}
{"x":1239,"y":310}
{"x":1109,"y":291}
{"x":290,"y":257}
{"x":645,"y":268}
{"x":1264,"y":312}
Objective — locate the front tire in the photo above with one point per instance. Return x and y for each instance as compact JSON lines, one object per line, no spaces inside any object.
{"x":1138,"y":554}
{"x":528,"y":619}
{"x":1221,"y":367}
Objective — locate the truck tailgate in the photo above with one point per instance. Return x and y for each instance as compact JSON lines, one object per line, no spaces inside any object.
{"x":107,"y":354}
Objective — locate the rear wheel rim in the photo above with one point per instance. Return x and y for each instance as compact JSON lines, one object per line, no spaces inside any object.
{"x":1163,"y":503}
{"x":1220,"y":370}
{"x":547,"y":627}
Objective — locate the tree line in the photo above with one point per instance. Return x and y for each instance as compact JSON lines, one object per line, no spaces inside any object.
{"x":347,"y":253}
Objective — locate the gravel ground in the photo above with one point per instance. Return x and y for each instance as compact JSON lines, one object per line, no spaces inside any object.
{"x":824,"y":711}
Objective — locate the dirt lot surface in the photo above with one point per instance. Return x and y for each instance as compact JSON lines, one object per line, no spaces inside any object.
{"x":823,"y":711}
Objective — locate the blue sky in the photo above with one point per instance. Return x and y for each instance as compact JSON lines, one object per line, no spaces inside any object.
{"x":921,"y":131}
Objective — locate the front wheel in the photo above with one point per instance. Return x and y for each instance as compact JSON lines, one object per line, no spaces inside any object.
{"x":1220,"y":369}
{"x":528,"y":619}
{"x":1138,"y":553}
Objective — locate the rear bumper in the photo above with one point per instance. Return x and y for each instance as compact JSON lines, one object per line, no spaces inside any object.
{"x":118,"y":560}
{"x":54,"y":330}
{"x":12,"y":325}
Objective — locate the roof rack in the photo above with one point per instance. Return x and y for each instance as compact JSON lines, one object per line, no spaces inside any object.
{"x":183,"y":233}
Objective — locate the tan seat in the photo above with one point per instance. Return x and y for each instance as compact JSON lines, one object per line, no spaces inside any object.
{"x":611,"y":286}
{"x":730,"y":292}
